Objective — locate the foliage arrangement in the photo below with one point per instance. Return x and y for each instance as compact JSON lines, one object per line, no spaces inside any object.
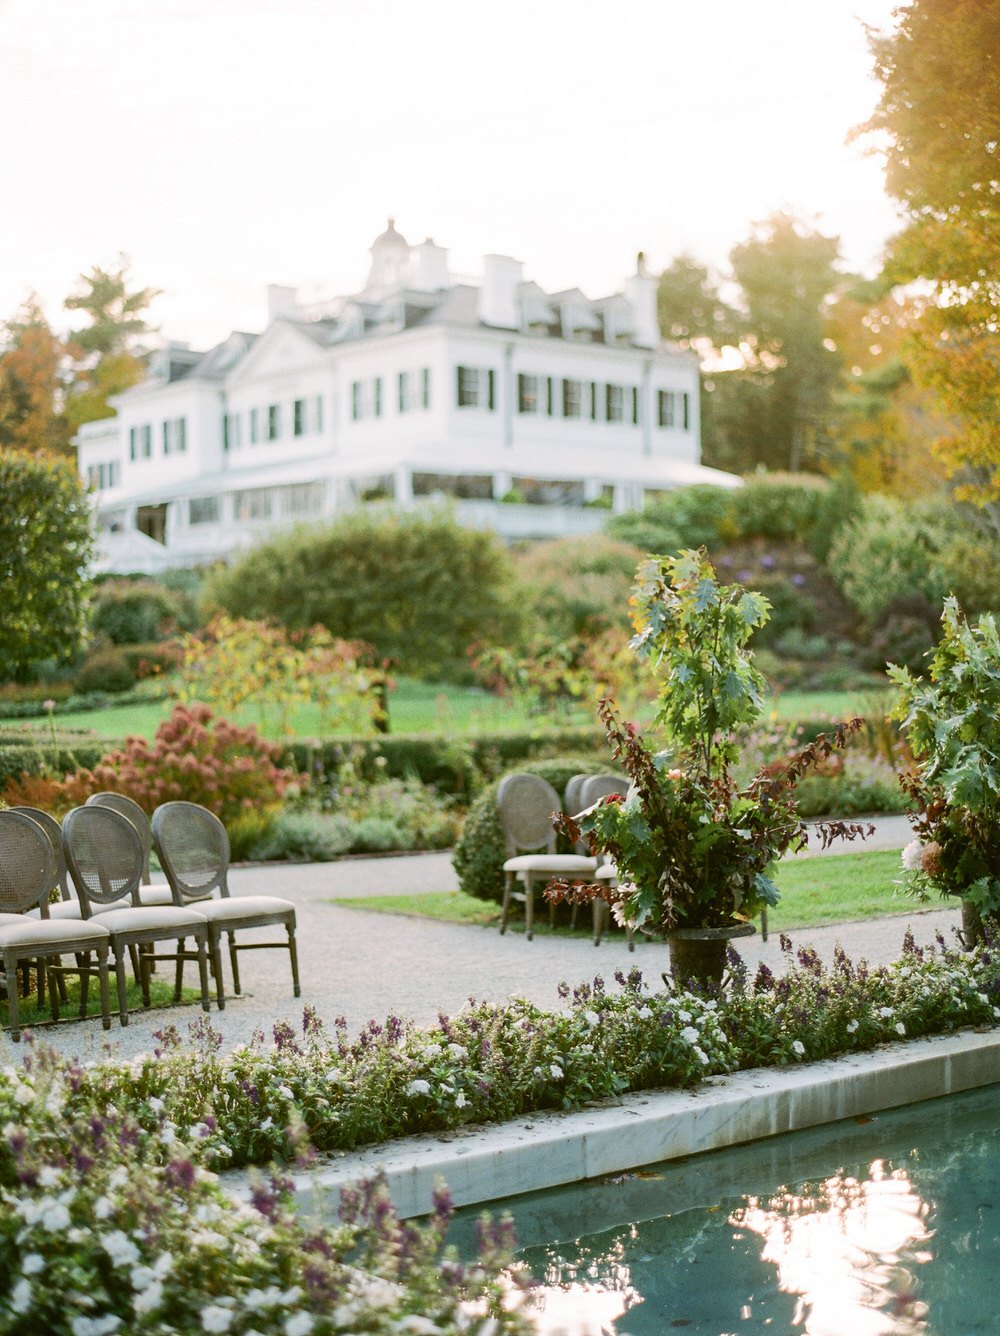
{"x":111,"y":1223}
{"x":419,"y":588}
{"x":233,"y":662}
{"x":694,"y":850}
{"x":45,"y":546}
{"x":951,"y":720}
{"x":555,"y":678}
{"x":131,"y":612}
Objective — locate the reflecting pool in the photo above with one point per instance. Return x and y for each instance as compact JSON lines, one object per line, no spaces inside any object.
{"x":881,"y":1226}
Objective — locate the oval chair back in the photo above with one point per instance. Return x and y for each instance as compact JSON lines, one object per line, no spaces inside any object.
{"x":104,"y":853}
{"x":571,"y":796}
{"x":128,"y":807}
{"x":596,"y":787}
{"x":525,"y":804}
{"x":53,"y":830}
{"x":27,"y":864}
{"x":193,"y":848}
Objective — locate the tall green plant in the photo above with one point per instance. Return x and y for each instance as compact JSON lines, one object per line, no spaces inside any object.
{"x":952,"y":722}
{"x":695,"y":634}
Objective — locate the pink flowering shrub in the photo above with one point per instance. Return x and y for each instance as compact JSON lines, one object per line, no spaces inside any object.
{"x":230,"y":770}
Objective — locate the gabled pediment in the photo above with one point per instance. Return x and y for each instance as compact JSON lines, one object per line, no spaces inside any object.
{"x":284,"y":347}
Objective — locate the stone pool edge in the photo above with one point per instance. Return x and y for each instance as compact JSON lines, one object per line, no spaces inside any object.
{"x":551,"y":1149}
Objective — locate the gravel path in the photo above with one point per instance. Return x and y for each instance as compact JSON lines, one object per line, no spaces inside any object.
{"x":362,"y":965}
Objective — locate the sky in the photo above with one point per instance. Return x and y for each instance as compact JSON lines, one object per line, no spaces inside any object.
{"x":222,"y":145}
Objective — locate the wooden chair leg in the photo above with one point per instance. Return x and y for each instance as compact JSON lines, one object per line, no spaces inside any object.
{"x":120,"y":980}
{"x":508,"y":889}
{"x":215,"y":958}
{"x":13,"y":1017}
{"x":529,"y":906}
{"x":83,"y":965}
{"x":179,"y":970}
{"x":234,"y":963}
{"x":102,"y":978}
{"x":200,"y":942}
{"x":294,"y":954}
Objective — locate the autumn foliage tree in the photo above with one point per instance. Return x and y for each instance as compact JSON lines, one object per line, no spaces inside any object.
{"x":939,"y":122}
{"x":31,"y":357}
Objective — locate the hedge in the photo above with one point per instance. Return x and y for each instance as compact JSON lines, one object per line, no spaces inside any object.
{"x":457,"y":766}
{"x":32,"y":757}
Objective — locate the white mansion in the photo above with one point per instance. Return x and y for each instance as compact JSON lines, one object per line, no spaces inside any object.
{"x":533,"y":412}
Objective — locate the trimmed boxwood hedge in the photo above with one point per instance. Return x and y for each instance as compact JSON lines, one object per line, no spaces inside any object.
{"x":31,"y":757}
{"x":479,"y":854}
{"x":452,"y":765}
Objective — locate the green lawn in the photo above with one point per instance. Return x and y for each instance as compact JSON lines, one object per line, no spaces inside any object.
{"x":161,"y":994}
{"x":414,"y":707}
{"x":828,"y":888}
{"x":423,"y":707}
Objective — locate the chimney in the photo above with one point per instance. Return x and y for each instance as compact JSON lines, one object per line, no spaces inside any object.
{"x":428,"y":267}
{"x":280,"y":300}
{"x":640,"y":293}
{"x":498,"y":304}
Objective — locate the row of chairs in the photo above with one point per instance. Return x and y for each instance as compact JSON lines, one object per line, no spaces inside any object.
{"x":103,"y":849}
{"x":526,"y":805}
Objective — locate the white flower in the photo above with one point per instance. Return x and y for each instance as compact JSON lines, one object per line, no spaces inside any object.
{"x":95,"y":1326}
{"x":418,"y":1326}
{"x":460,"y":1100}
{"x":20,"y":1296}
{"x":798,"y":1048}
{"x":690,"y":1035}
{"x":592,"y":1018}
{"x":103,"y":1207}
{"x":32,"y":1263}
{"x":156,"y":1104}
{"x":852,"y":1027}
{"x":885,"y":1011}
{"x":23,"y":1094}
{"x":556,"y":1072}
{"x":912,"y":856}
{"x":299,"y":1324}
{"x":214,"y":1318}
{"x":48,"y":1176}
{"x":458,"y":1051}
{"x":149,"y":1298}
{"x":685,"y":1016}
{"x":644,"y":1013}
{"x":900,"y":1028}
{"x":701,"y":1055}
{"x":267,"y":1124}
{"x":418,"y":1088}
{"x":285,"y":1092}
{"x":120,"y":1248}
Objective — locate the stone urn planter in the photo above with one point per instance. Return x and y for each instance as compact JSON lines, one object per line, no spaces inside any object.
{"x":699,"y":954}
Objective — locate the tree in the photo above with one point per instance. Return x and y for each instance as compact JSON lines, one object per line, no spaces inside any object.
{"x":30,"y":383}
{"x":107,"y":350}
{"x":45,"y":544}
{"x":938,"y":117}
{"x":690,"y":309}
{"x":787,"y":274}
{"x":420,"y":589}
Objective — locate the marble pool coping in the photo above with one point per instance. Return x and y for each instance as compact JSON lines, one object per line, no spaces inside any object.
{"x":552,"y":1149}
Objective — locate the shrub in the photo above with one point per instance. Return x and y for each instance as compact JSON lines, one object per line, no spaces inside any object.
{"x":231,"y":771}
{"x":796,"y":508}
{"x":887,"y":552}
{"x":108,"y":669}
{"x":479,"y":854}
{"x":128,"y":612}
{"x":419,"y":588}
{"x":576,"y":586}
{"x":456,"y":766}
{"x":304,"y":837}
{"x":695,"y":516}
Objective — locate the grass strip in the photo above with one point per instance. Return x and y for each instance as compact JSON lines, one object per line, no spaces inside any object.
{"x":825,"y":888}
{"x":161,"y":994}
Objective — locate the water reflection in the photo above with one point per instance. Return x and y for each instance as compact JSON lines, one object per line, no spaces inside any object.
{"x":808,"y":1235}
{"x":848,"y":1250}
{"x":824,"y":1258}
